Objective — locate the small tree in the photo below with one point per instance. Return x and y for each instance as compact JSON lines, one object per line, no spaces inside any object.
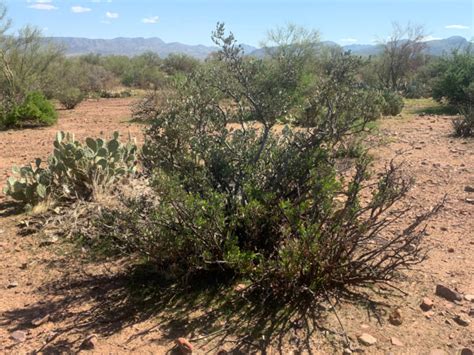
{"x":401,"y":56}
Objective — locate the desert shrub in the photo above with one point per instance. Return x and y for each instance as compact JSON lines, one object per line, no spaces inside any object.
{"x":70,"y":97}
{"x":74,"y":170}
{"x":115,"y":94}
{"x":148,"y":108}
{"x":464,"y":126}
{"x":263,"y":202}
{"x":454,"y":78}
{"x":34,"y":110}
{"x":393,"y":103}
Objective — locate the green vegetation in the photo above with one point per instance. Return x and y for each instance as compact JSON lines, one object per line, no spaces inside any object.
{"x":74,"y":171}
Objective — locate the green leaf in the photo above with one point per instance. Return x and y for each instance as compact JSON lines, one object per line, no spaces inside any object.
{"x":38,"y":162}
{"x":41,"y":190}
{"x":115,"y":135}
{"x":113,"y":145}
{"x":91,"y":143}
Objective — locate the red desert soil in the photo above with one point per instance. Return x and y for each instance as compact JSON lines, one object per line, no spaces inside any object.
{"x":78,"y":299}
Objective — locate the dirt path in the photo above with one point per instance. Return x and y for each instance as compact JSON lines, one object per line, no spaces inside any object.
{"x":80,"y":299}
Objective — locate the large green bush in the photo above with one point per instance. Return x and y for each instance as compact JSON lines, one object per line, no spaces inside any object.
{"x":239,"y":194}
{"x":34,"y":110}
{"x":454,"y":78}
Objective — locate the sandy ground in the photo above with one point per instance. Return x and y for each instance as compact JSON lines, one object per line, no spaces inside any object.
{"x":78,"y":299}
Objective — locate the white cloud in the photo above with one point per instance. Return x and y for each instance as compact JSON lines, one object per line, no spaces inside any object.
{"x":41,"y":5}
{"x":348,"y":40}
{"x":109,"y":14}
{"x":44,"y":1}
{"x":457,"y":27}
{"x":151,"y":19}
{"x":80,"y":9}
{"x":430,"y":38}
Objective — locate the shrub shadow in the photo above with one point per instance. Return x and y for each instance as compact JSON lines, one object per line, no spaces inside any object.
{"x":204,"y":311}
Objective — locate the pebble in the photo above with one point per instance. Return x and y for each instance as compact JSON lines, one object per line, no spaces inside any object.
{"x":12,"y":284}
{"x":395,"y":318}
{"x":461,"y":320}
{"x":18,"y":335}
{"x":469,"y":298}
{"x":89,"y":343}
{"x":426,"y":304}
{"x":466,"y":351}
{"x":447,"y":293}
{"x":469,"y":189}
{"x":184,"y":345}
{"x":395,"y":341}
{"x":367,"y":339}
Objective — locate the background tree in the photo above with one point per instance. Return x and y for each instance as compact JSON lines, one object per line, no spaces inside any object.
{"x":401,"y":56}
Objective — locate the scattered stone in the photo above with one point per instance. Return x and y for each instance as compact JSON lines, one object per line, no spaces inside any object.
{"x":451,"y":250}
{"x":395,"y":341}
{"x":426,"y":304}
{"x":240,"y":287}
{"x":469,"y":298}
{"x":184,"y":345}
{"x":470,"y":200}
{"x":18,"y":335}
{"x":365,"y":326}
{"x":367,"y":339}
{"x":40,"y":320}
{"x":469,"y":189}
{"x":12,"y":284}
{"x":222,"y":352}
{"x":347,"y":351}
{"x":471,"y":312}
{"x":89,"y":343}
{"x":466,"y":351}
{"x":447,"y":293}
{"x":461,"y":320}
{"x":24,"y":266}
{"x":444,"y":229}
{"x":429,"y":314}
{"x":395,"y":318}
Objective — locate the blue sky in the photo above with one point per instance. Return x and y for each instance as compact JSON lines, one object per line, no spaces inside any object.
{"x":191,"y":21}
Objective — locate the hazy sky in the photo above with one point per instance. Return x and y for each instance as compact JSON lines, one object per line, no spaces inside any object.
{"x":191,"y":21}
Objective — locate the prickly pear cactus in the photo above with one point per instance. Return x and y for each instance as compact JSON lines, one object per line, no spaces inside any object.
{"x":74,"y":171}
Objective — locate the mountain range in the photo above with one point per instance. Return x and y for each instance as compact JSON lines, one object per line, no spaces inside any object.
{"x":135,"y":46}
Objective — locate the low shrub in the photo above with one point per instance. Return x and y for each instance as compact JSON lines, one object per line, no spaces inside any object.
{"x":35,"y":110}
{"x":74,"y":170}
{"x":393,"y":103}
{"x":70,"y":97}
{"x":464,"y":126}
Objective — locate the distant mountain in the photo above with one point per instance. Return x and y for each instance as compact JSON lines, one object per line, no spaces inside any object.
{"x":136,"y":46}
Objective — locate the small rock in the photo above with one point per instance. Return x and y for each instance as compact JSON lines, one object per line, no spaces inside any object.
{"x":471,"y":312}
{"x":469,"y":188}
{"x":24,"y":266}
{"x":447,"y":293}
{"x":240,"y":287}
{"x":469,"y":298}
{"x":40,"y":320}
{"x":347,"y":351}
{"x":429,"y":314}
{"x":367,"y":339}
{"x":470,"y":200}
{"x":426,"y":304}
{"x":395,"y":318}
{"x":12,"y":284}
{"x":184,"y":345}
{"x":18,"y":335}
{"x":461,"y":320}
{"x":466,"y":351}
{"x":395,"y":341}
{"x":451,"y":250}
{"x":89,"y":343}
{"x":222,"y":352}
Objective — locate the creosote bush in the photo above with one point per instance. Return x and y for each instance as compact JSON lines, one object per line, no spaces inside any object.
{"x":74,"y":171}
{"x":393,"y":103}
{"x":237,"y":193}
{"x":70,"y":97}
{"x":464,"y":126}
